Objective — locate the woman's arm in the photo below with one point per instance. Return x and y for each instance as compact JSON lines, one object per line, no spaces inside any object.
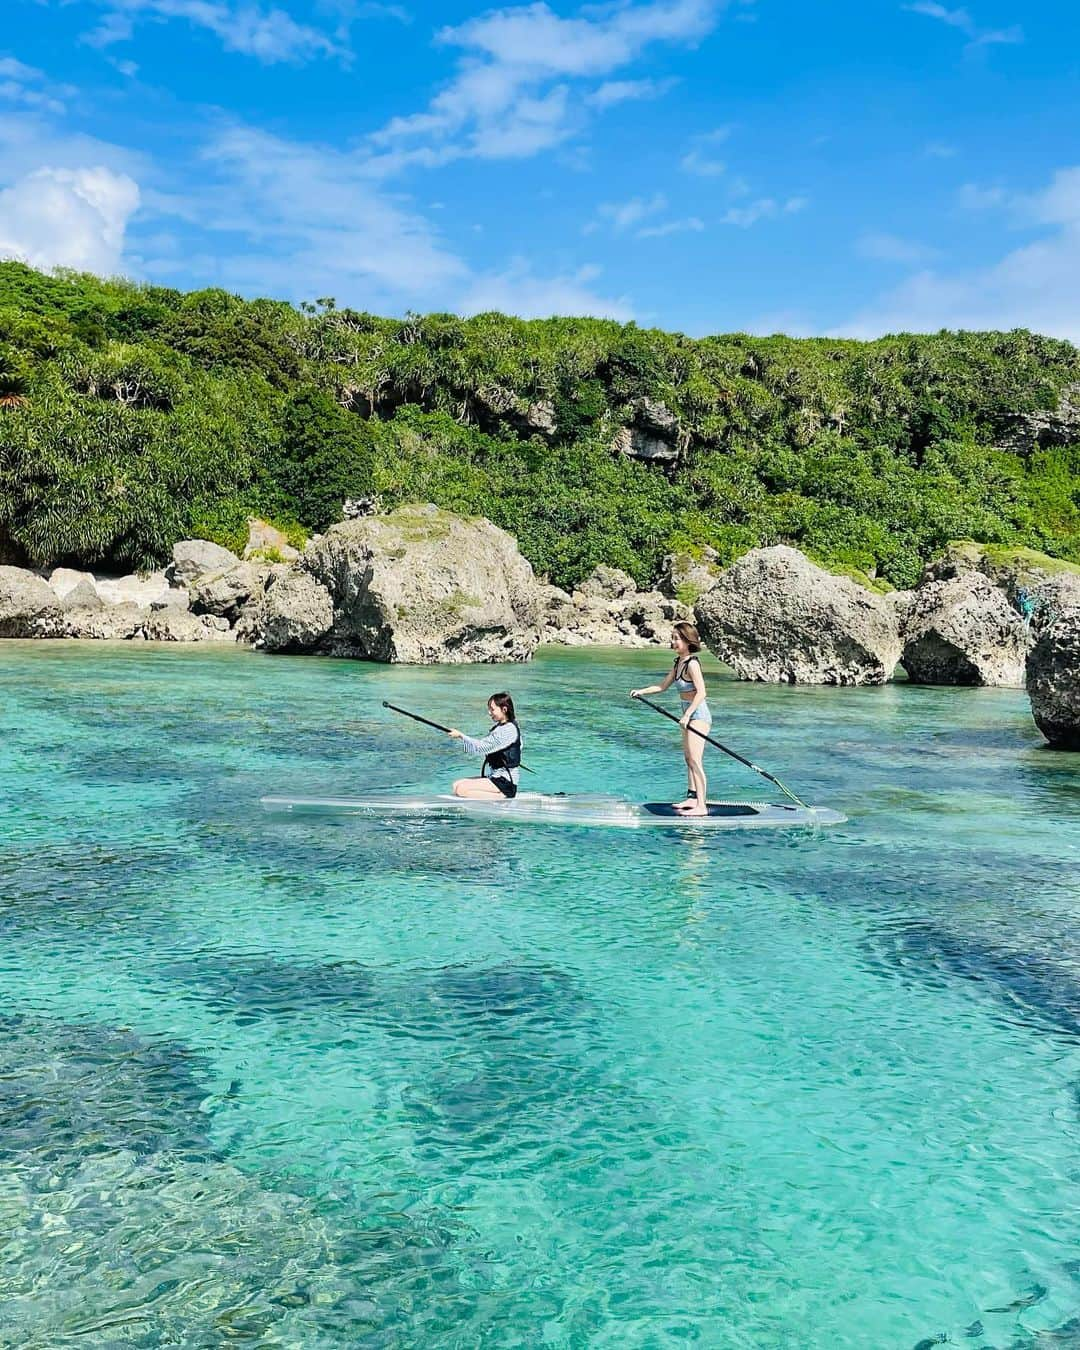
{"x":497,"y":739}
{"x":655,"y":688}
{"x":699,"y":692}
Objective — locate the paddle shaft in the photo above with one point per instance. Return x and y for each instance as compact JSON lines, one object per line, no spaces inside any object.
{"x":429,"y":723}
{"x":733,"y":753}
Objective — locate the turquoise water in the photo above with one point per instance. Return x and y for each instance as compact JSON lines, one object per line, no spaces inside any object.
{"x":328,"y":1083}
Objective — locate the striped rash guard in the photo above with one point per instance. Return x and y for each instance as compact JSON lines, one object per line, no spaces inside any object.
{"x":499,"y":738}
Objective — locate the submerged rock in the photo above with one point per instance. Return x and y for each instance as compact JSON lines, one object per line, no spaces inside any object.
{"x":26,"y":603}
{"x":774,"y":616}
{"x":962,"y":631}
{"x":422,"y":585}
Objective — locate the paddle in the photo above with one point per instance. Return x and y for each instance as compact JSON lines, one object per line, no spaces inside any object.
{"x":734,"y":754}
{"x":428,"y":723}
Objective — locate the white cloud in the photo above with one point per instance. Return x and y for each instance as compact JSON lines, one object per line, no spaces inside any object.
{"x":518,"y":291}
{"x":962,"y":19}
{"x":516,"y":88}
{"x":312,"y":213}
{"x":612,"y":92}
{"x":622,"y":215}
{"x":891,"y":248}
{"x":632,"y":215}
{"x":764,"y":208}
{"x":29,"y":87}
{"x":271,"y":35}
{"x":1034,"y":286}
{"x":692,"y":224}
{"x":701,"y":158}
{"x":68,"y":218}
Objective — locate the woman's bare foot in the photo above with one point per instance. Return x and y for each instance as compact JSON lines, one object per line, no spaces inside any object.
{"x":697,"y":810}
{"x":684,"y":805}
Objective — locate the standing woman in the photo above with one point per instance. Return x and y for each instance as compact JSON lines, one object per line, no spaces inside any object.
{"x":501,"y":749}
{"x":687,"y":678}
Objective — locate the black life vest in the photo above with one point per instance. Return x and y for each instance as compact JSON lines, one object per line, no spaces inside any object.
{"x":510,"y":758}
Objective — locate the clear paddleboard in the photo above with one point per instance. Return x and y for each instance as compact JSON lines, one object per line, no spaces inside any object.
{"x":561,"y":809}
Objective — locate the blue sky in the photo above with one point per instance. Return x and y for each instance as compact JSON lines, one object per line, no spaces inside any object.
{"x":854,"y":167}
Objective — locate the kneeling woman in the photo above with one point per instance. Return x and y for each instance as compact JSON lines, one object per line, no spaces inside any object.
{"x":501,"y":749}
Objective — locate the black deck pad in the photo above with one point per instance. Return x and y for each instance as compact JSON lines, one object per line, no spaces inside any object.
{"x":715,"y":809}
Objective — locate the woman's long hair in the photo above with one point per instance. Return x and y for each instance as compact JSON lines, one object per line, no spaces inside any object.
{"x":505,"y":704}
{"x":689,"y":635}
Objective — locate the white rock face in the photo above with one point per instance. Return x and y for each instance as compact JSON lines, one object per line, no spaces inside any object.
{"x":133,"y":589}
{"x":422,"y":585}
{"x":775,"y":616}
{"x":192,"y":557}
{"x":962,"y":631}
{"x":26,"y":603}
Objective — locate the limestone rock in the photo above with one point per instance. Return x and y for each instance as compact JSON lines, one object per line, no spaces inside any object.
{"x":687,"y":577}
{"x":265,"y":538}
{"x":962,"y":631}
{"x":64,"y":580}
{"x":297,"y":613}
{"x":1019,"y":572}
{"x":225,"y":593}
{"x":177,"y":625}
{"x":26,"y":602}
{"x":774,"y":616}
{"x":1053,"y":675}
{"x":653,"y":433}
{"x":136,"y":588}
{"x":1025,"y":432}
{"x":82,"y":596}
{"x":422,"y":585}
{"x":192,"y":557}
{"x":105,"y":623}
{"x":634,"y":619}
{"x":607,"y":583}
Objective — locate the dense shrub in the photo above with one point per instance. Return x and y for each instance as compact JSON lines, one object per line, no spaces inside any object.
{"x":130,"y":415}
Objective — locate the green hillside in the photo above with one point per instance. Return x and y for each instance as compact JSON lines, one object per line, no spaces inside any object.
{"x":131,"y":416}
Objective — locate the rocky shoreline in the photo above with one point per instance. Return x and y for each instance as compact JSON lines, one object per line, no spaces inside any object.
{"x":421,"y":585}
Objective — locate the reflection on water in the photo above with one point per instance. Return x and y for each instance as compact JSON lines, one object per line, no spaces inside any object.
{"x":446,"y":1082}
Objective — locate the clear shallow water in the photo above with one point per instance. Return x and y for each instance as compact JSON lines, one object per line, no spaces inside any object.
{"x":317,"y":1083}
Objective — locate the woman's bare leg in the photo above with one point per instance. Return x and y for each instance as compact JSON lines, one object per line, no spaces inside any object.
{"x":695,"y":759}
{"x":477,"y":788}
{"x":687,"y":750}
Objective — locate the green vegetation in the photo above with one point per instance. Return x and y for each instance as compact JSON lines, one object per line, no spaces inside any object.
{"x":131,"y":416}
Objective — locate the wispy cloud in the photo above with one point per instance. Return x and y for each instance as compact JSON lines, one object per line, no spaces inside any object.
{"x":612,"y":92}
{"x":522,"y":83}
{"x":31,"y":88}
{"x":637,"y":217}
{"x":517,"y":291}
{"x":270,"y":35}
{"x":891,"y":248}
{"x":963,"y":20}
{"x":690,"y":224}
{"x":1034,"y":286}
{"x":701,"y":158}
{"x":763,"y":208}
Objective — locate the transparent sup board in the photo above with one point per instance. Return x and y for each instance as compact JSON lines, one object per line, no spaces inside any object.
{"x":561,"y":809}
